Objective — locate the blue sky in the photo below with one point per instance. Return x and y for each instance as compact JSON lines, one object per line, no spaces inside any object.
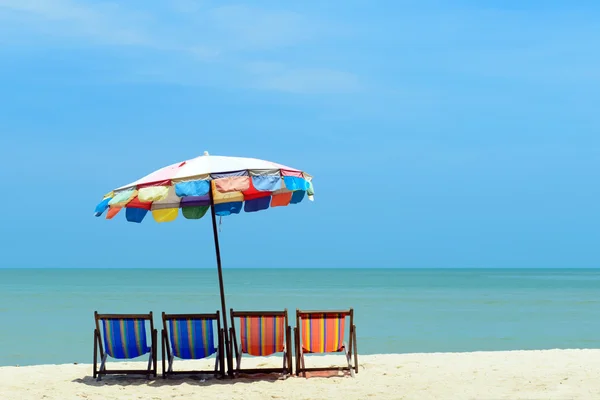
{"x":440,"y":134}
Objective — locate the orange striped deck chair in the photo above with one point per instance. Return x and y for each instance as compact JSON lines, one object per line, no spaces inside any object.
{"x":125,"y":338}
{"x":262,"y":333}
{"x":192,"y":337}
{"x":323,"y":332}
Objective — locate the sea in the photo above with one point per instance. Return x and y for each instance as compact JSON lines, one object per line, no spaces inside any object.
{"x":47,"y":315}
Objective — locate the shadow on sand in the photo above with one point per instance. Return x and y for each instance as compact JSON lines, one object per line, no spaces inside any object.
{"x":193,"y":379}
{"x":200,"y":380}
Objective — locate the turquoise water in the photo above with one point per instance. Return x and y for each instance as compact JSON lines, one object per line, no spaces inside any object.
{"x":46,"y":316}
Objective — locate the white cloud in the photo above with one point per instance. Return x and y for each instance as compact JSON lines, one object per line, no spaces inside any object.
{"x":47,"y":20}
{"x":186,"y":6}
{"x":250,"y":28}
{"x":178,"y":36}
{"x":532,"y":45}
{"x":306,"y":80}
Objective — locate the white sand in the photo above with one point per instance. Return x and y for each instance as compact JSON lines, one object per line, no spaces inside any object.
{"x":548,"y":374}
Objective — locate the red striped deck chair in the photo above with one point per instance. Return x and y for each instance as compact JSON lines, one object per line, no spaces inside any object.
{"x":192,"y":337}
{"x":125,"y":337}
{"x":323,"y":332}
{"x":262,"y":333}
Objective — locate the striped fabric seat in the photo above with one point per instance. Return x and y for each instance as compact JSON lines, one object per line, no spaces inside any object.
{"x":125,"y":338}
{"x":262,"y":336}
{"x":192,"y":339}
{"x":323,"y":333}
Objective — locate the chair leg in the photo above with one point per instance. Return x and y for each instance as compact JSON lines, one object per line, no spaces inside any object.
{"x":348,"y":359}
{"x":297,"y":351}
{"x":102,"y":367}
{"x":150,"y":359}
{"x":103,"y":363}
{"x":350,"y":344}
{"x":171,"y":363}
{"x":355,"y":351}
{"x":233,"y":345}
{"x":302,"y":363}
{"x":155,"y":353}
{"x":217,"y":357}
{"x":95,"y":354}
{"x":300,"y":355}
{"x":289,"y":348}
{"x":283,"y":372}
{"x":238,"y":359}
{"x":164,"y":353}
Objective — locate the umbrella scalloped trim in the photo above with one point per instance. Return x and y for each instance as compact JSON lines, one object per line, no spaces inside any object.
{"x":166,"y":191}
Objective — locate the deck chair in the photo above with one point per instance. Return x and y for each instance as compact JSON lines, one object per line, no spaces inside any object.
{"x":262,"y":333}
{"x":323,"y":332}
{"x":125,"y":337}
{"x":192,"y":337}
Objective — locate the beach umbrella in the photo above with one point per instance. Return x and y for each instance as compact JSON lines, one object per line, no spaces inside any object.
{"x":223,"y":185}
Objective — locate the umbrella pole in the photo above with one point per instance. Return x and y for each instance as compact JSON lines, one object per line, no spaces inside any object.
{"x":223,"y":307}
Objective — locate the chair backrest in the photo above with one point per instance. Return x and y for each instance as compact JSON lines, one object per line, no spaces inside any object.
{"x":192,"y":336}
{"x":124,"y":334}
{"x":322,"y":331}
{"x":261,"y":332}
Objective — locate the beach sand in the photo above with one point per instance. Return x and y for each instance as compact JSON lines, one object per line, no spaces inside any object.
{"x":546,"y":374}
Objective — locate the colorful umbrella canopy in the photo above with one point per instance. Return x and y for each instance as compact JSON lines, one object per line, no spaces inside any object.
{"x":223,"y":184}
{"x":236,"y":182}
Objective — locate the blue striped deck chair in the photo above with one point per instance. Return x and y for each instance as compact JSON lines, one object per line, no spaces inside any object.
{"x":262,"y":333}
{"x":192,"y":337}
{"x":124,"y":337}
{"x":323,"y":332}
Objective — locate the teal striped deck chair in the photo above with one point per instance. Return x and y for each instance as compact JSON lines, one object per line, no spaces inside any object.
{"x":192,"y":337}
{"x":124,"y":337}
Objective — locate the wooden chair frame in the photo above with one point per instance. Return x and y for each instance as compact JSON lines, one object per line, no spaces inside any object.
{"x":218,"y":371}
{"x":287,"y":350}
{"x":349,"y":351}
{"x":98,"y":345}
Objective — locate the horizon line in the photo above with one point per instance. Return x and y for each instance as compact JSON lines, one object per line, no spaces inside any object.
{"x":291,"y":268}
